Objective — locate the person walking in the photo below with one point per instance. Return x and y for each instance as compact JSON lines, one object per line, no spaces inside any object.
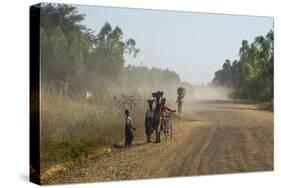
{"x":149,"y":120}
{"x":163,"y":109}
{"x":156,"y":119}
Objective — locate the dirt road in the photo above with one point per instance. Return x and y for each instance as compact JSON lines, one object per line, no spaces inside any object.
{"x":211,"y":137}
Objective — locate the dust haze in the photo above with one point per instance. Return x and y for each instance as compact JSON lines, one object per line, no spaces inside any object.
{"x":206,"y":93}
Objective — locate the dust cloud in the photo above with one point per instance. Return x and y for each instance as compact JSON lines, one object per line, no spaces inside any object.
{"x":208,"y":93}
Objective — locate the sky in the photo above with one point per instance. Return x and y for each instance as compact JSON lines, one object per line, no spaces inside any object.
{"x":194,"y":45}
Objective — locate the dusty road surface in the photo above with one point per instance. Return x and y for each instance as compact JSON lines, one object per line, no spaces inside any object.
{"x":211,"y":137}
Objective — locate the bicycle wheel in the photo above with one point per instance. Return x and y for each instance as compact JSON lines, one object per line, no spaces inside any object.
{"x":171,"y":130}
{"x":166,"y":133}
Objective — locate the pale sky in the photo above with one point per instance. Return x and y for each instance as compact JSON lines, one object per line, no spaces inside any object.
{"x":194,"y":45}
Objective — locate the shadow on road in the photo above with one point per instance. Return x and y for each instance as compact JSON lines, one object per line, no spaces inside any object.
{"x":121,"y":146}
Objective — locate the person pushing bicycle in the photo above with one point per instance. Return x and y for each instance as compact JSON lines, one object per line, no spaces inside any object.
{"x":163,"y":109}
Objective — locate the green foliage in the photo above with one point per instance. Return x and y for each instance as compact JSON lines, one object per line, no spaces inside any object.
{"x":64,"y":42}
{"x":72,"y":53}
{"x":80,"y":149}
{"x":251,"y":77}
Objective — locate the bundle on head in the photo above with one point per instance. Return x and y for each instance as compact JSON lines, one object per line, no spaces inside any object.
{"x":181,"y":91}
{"x":158,"y":94}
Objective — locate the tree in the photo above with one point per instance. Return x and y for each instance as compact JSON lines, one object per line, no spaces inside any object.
{"x":106,"y":58}
{"x":64,"y":42}
{"x":250,"y":77}
{"x":73,"y":54}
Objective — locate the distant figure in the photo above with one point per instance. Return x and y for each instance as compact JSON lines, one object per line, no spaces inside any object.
{"x":149,"y":120}
{"x":128,"y":129}
{"x":181,"y":91}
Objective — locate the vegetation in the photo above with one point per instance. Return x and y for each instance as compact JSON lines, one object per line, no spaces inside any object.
{"x":250,"y":77}
{"x":76,"y":60}
{"x":74,"y":127}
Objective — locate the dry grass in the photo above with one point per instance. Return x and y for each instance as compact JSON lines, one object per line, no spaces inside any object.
{"x":74,"y":127}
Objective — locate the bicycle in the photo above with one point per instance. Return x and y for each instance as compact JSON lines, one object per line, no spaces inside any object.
{"x":168,"y":126}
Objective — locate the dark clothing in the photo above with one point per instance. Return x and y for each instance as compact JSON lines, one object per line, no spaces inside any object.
{"x":148,"y":127}
{"x":129,"y":131}
{"x":156,"y":121}
{"x":128,"y":137}
{"x":158,"y":140}
{"x":156,"y":118}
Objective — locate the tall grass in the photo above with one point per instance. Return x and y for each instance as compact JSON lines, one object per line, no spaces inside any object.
{"x":72,"y":127}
